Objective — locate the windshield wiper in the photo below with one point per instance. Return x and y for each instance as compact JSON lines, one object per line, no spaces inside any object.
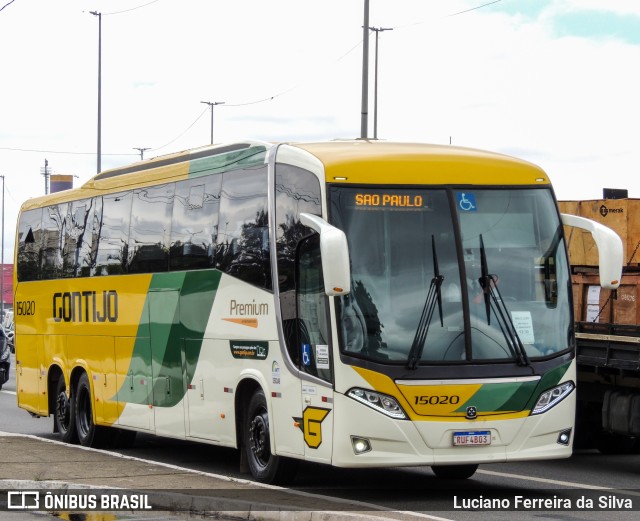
{"x":434,"y":295}
{"x":493,"y":300}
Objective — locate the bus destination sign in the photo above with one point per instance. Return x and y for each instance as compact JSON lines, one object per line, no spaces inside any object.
{"x":389,"y":200}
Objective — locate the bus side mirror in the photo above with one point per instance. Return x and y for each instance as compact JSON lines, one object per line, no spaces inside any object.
{"x":335,"y":255}
{"x":609,"y":248}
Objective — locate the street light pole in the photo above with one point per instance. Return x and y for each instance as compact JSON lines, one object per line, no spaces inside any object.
{"x":211,"y":105}
{"x":378,"y":30}
{"x":99,"y":15}
{"x":364,"y":114}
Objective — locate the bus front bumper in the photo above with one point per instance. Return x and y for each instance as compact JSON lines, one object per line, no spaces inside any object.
{"x":364,"y":437}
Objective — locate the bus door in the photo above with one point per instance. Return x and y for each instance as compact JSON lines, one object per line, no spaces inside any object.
{"x":201,"y":397}
{"x":315,"y":353}
{"x":168,"y":362}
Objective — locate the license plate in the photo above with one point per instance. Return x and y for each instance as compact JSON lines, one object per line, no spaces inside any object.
{"x":472,"y":438}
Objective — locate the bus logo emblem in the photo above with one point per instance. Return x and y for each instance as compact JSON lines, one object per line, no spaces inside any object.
{"x":311,"y":425}
{"x":472,"y":413}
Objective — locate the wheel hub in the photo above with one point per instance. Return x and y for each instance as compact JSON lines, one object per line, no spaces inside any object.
{"x":259,"y":437}
{"x":62,"y":405}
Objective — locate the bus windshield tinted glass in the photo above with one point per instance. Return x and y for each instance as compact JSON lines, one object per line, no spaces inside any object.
{"x":404,"y":242}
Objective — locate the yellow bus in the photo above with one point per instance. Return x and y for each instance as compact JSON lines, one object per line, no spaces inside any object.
{"x":354,"y":303}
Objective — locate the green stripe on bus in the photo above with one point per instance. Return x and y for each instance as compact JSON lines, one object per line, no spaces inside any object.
{"x":170,"y":334}
{"x":513,"y":396}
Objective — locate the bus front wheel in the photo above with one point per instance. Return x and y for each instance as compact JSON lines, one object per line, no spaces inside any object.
{"x":264,"y":466}
{"x":63,"y":414}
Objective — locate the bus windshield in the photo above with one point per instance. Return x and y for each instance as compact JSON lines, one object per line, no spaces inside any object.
{"x":452,"y":275}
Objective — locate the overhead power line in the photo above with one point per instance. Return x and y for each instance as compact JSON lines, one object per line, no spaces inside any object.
{"x":7,"y":4}
{"x":131,"y":9}
{"x":183,"y":132}
{"x":477,"y":7}
{"x":13,"y":149}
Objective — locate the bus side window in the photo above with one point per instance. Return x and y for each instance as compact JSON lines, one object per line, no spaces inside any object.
{"x":148,"y":250}
{"x":113,"y":230}
{"x":312,"y":310}
{"x":54,"y":224}
{"x":29,"y":241}
{"x":243,"y":246}
{"x":297,"y":191}
{"x":194,"y":225}
{"x":80,"y":216}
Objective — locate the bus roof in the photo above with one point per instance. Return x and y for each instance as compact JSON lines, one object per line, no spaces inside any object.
{"x":408,"y":163}
{"x":345,"y":161}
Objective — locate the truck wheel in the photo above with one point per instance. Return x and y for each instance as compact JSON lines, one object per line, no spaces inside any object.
{"x":454,"y":471}
{"x":89,"y":434}
{"x":264,"y":466}
{"x":63,"y":414}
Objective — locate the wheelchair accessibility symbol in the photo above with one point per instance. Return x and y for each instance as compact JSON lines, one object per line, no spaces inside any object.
{"x":306,"y":355}
{"x":466,"y":202}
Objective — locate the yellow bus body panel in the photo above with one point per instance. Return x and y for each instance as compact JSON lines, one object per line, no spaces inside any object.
{"x":47,"y":338}
{"x":385,"y":163}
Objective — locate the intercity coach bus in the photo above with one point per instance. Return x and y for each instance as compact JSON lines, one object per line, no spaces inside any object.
{"x":355,"y":303}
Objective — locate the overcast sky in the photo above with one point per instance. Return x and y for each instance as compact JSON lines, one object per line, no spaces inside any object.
{"x":555,"y":82}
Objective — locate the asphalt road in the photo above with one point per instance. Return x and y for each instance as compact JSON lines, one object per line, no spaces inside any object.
{"x":588,"y":474}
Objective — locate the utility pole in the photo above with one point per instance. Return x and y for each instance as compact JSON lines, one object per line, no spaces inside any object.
{"x":46,"y":173}
{"x":99,"y":15}
{"x":211,"y":105}
{"x":365,"y":73}
{"x":141,"y":150}
{"x":378,"y":30}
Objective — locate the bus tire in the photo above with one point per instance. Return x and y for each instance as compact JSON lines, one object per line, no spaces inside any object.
{"x":264,"y":466}
{"x":454,"y":471}
{"x":89,"y":434}
{"x":63,"y":413}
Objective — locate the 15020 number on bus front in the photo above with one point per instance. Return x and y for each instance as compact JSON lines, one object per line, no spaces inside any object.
{"x":437,"y":400}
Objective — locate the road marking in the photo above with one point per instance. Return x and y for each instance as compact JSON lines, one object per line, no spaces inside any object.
{"x":569,"y":484}
{"x":542,"y":480}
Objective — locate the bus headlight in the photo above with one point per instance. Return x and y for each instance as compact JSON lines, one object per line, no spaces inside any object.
{"x":552,"y":397}
{"x":380,"y":402}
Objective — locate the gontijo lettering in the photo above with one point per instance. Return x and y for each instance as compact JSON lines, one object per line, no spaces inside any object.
{"x":388,"y":200}
{"x":85,"y":306}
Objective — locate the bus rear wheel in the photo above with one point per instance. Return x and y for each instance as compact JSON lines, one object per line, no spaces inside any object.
{"x":89,"y":434}
{"x":454,"y":471}
{"x":63,"y":414}
{"x":265,"y":466}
